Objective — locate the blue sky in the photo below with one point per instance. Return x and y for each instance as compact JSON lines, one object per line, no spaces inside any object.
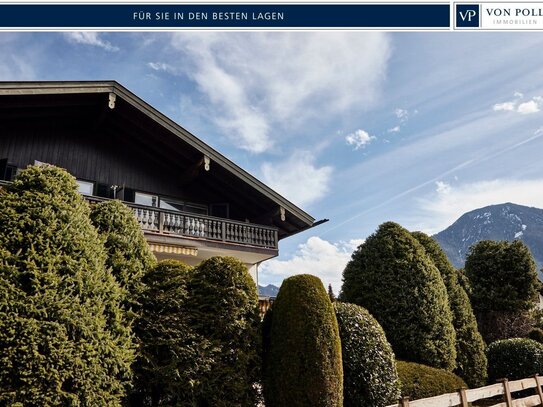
{"x":356,"y":127}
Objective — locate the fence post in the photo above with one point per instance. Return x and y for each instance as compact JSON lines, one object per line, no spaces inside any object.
{"x":404,"y":402}
{"x":506,"y":392}
{"x":463,"y":397}
{"x":538,"y":388}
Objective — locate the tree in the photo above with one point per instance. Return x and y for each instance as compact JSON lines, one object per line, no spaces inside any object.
{"x":369,"y":368}
{"x":304,"y":357}
{"x":470,"y":348}
{"x":173,"y":358}
{"x":504,"y":285}
{"x":62,"y":333}
{"x":128,"y":254}
{"x":392,"y":277}
{"x":223,"y":307}
{"x":331,"y":294}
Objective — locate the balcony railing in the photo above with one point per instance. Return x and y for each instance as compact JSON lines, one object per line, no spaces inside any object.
{"x":184,"y":224}
{"x":190,"y":225}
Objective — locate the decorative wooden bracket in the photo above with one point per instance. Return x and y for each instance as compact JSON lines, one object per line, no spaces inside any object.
{"x":112,"y":99}
{"x":207,"y":162}
{"x":283,"y":213}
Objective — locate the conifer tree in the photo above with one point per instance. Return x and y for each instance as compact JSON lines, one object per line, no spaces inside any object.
{"x":392,"y":277}
{"x":62,"y":333}
{"x":471,"y":363}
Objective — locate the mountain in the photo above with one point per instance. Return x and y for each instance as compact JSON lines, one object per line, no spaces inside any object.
{"x":496,"y":222}
{"x":268,"y":291}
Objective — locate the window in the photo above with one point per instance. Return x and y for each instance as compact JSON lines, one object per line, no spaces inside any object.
{"x":146,"y":199}
{"x":85,"y":187}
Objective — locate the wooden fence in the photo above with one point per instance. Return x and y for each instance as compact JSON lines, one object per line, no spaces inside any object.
{"x":503,"y":388}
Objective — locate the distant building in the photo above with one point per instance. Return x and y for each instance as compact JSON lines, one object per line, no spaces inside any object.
{"x":191,"y":202}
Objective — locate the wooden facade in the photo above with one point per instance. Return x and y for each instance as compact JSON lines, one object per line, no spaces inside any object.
{"x":120,"y":147}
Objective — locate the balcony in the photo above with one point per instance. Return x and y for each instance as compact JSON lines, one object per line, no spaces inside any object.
{"x":201,"y":227}
{"x":188,"y":225}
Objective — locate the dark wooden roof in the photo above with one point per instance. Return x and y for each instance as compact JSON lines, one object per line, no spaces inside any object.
{"x":136,"y":122}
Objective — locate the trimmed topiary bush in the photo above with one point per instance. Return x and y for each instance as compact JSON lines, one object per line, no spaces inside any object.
{"x":128,"y":254}
{"x":514,"y":359}
{"x":536,"y":334}
{"x":223,"y":308}
{"x":173,"y":359}
{"x":369,"y":369}
{"x":304,"y":359}
{"x":504,"y":283}
{"x":63,"y":339}
{"x":419,"y":381}
{"x":471,"y":363}
{"x":392,"y":277}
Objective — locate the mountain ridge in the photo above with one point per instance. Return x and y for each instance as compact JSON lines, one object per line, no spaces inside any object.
{"x":506,"y":221}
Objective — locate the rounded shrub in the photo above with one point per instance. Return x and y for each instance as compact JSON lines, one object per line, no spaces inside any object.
{"x":223,"y":309}
{"x":504,"y":283}
{"x":392,"y":277}
{"x":536,"y":334}
{"x":419,"y":381}
{"x":369,"y":369}
{"x":128,"y":254}
{"x":62,"y":333}
{"x":172,"y":358}
{"x":304,"y":358}
{"x":471,"y":363}
{"x":515,"y":358}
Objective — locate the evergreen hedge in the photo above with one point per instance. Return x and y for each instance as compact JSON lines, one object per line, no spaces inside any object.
{"x":304,"y":357}
{"x":62,"y":333}
{"x":128,"y":254}
{"x":173,"y":359}
{"x":419,"y":381}
{"x":369,"y":369}
{"x":504,"y":284}
{"x":471,"y":363}
{"x":514,"y":359}
{"x":392,"y":277}
{"x":223,"y":308}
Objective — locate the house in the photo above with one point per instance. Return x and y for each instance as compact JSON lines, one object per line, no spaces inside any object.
{"x":191,"y":202}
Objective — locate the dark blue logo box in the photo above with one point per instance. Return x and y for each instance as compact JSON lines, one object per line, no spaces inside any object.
{"x":467,"y":15}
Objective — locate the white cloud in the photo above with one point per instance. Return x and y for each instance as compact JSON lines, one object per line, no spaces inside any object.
{"x":528,"y":107}
{"x":517,"y":105}
{"x":298,"y":179}
{"x":256,"y":82}
{"x":507,"y":106}
{"x":317,"y":257}
{"x":395,"y":129}
{"x":161,"y":66}
{"x":89,"y":38}
{"x":402,"y":114}
{"x":359,"y":139}
{"x":442,"y":187}
{"x":442,"y":209}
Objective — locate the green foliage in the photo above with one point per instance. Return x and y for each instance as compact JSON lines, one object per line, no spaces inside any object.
{"x":536,"y":334}
{"x":62,"y":334}
{"x":515,"y":358}
{"x":173,"y":359}
{"x":503,"y":276}
{"x":420,"y":381}
{"x":223,"y":304}
{"x":504,"y":284}
{"x":128,"y":254}
{"x":304,"y":357}
{"x":369,"y":369}
{"x":471,"y":363}
{"x":392,"y":277}
{"x":331,"y":294}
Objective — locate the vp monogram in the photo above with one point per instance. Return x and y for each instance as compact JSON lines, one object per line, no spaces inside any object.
{"x":467,"y":15}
